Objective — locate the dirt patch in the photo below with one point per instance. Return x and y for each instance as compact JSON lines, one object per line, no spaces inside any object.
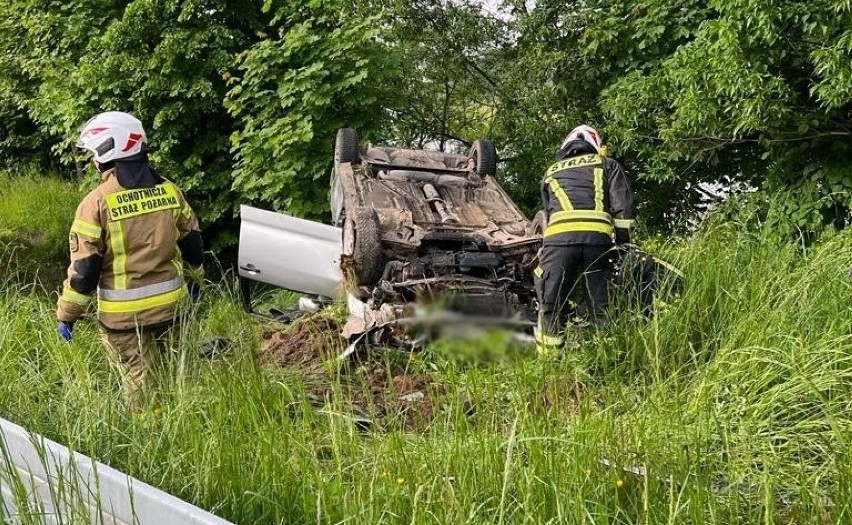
{"x":375,"y":385}
{"x":306,"y":344}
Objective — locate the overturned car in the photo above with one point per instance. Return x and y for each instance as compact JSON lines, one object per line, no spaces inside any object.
{"x":412,"y":232}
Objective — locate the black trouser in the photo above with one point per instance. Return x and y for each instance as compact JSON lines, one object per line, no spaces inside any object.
{"x":563,"y":269}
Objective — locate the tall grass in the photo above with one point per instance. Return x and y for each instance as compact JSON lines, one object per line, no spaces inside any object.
{"x":732,"y":405}
{"x":35,"y":216}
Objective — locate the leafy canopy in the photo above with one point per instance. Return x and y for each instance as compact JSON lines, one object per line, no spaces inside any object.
{"x":242,"y":99}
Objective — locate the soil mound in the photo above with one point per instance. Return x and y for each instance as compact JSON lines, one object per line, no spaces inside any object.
{"x":307,"y":343}
{"x":374,"y":384}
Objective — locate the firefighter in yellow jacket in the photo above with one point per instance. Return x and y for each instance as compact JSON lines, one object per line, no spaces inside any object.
{"x":133,"y":241}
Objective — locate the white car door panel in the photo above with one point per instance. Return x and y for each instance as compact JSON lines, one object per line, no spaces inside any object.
{"x":289,"y":252}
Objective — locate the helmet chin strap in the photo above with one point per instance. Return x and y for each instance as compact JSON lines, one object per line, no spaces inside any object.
{"x":104,"y":168}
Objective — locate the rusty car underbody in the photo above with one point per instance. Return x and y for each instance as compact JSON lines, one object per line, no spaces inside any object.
{"x":426,"y":230}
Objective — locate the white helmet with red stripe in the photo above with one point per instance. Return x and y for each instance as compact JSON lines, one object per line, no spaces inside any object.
{"x":112,"y":135}
{"x":587,"y":133}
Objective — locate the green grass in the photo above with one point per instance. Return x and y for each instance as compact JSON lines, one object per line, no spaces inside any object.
{"x":35,"y":215}
{"x":735,"y":400}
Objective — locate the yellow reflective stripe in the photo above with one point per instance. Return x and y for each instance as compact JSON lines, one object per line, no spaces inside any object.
{"x":72,"y":296}
{"x":599,"y":189}
{"x":177,"y":262}
{"x":623,"y":223}
{"x":579,"y":226}
{"x":139,"y":305}
{"x":538,"y":272}
{"x":194,"y":274}
{"x":560,"y":194}
{"x":579,"y":215}
{"x":86,"y":228}
{"x":119,"y":255}
{"x":184,"y":208}
{"x":575,"y":162}
{"x":549,"y":340}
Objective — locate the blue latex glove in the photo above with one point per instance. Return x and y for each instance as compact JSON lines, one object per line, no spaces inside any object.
{"x":65,"y":330}
{"x":194,"y":291}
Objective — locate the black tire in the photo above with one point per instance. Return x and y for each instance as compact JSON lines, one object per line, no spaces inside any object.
{"x":245,"y":294}
{"x":485,"y":156}
{"x":340,"y":220}
{"x":538,"y":224}
{"x":346,"y":148}
{"x":368,"y":262}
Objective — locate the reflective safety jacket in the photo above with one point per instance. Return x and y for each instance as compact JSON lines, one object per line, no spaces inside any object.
{"x":126,"y":250}
{"x":588,"y":200}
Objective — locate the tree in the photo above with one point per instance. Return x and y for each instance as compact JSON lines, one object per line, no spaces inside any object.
{"x":565,"y":55}
{"x":168,"y":63}
{"x":321,"y":68}
{"x":759,"y":96}
{"x":447,"y":89}
{"x":690,"y":93}
{"x":39,"y":52}
{"x":233,"y":115}
{"x":164,"y":61}
{"x":242,"y":99}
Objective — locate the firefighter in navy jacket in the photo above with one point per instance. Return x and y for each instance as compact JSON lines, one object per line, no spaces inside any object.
{"x":589,"y":206}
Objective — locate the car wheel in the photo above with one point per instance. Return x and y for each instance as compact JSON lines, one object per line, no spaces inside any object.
{"x":484,"y":156}
{"x":367,"y":260}
{"x":538,"y":224}
{"x":346,"y":147}
{"x":341,"y":219}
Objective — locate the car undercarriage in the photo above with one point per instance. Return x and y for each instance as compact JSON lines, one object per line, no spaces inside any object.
{"x":431,"y":230}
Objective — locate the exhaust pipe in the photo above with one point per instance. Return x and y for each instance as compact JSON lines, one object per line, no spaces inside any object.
{"x":438,"y":204}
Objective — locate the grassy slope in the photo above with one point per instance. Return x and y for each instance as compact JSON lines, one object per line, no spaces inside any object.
{"x":736,"y":398}
{"x":35,"y":216}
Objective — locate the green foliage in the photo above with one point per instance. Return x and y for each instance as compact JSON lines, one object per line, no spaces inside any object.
{"x":232,"y":114}
{"x":447,"y":94}
{"x":565,"y":56}
{"x":690,"y":92}
{"x":166,"y":62}
{"x":242,"y":99}
{"x":322,"y":69}
{"x":41,"y":44}
{"x":752,"y":97}
{"x":163,"y":61}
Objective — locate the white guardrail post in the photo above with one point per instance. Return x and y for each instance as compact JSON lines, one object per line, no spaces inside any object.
{"x":44,"y":482}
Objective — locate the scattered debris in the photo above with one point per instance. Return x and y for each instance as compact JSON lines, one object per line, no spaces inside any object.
{"x":412,"y":397}
{"x":213,"y":347}
{"x":378,"y":391}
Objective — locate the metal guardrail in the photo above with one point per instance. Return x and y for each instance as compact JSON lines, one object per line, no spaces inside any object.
{"x":44,"y":482}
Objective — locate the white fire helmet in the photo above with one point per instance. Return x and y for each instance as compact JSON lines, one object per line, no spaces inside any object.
{"x":112,"y":135}
{"x":587,"y":133}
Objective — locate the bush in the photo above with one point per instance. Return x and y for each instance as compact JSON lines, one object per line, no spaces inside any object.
{"x":35,"y":215}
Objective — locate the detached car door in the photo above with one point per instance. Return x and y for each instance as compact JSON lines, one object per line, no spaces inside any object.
{"x":293,"y":253}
